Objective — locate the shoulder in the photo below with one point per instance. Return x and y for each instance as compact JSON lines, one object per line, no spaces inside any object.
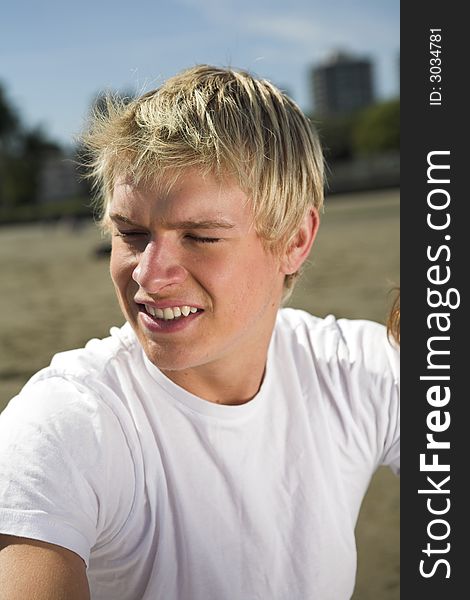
{"x":68,"y":453}
{"x":351,"y":369}
{"x":72,"y":405}
{"x":96,"y":359}
{"x":95,"y":371}
{"x":343,"y":343}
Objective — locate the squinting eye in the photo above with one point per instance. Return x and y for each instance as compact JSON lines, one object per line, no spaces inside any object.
{"x":203,"y":240}
{"x":129,"y":234}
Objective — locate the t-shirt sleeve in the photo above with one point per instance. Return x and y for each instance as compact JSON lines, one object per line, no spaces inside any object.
{"x":387,"y":400}
{"x":374,"y":363}
{"x":65,"y":469}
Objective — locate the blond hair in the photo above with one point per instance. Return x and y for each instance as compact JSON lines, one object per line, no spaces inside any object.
{"x":221,"y":121}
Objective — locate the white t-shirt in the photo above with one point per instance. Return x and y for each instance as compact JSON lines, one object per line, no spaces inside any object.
{"x":168,"y":496}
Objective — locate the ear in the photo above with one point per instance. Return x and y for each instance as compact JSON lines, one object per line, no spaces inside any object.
{"x":299,"y":248}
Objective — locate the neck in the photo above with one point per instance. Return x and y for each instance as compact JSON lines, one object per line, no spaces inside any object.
{"x":232,"y":379}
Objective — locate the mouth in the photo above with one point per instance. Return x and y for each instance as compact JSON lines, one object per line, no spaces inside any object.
{"x":171,"y":318}
{"x":171,"y":313}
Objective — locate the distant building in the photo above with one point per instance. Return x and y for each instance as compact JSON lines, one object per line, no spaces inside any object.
{"x":342,"y":84}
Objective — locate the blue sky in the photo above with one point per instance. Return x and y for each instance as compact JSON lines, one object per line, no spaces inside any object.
{"x":56,"y":55}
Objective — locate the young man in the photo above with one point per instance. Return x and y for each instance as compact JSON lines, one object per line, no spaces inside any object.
{"x":215,"y":447}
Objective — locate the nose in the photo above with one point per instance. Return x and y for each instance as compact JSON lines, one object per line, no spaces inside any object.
{"x":158,"y":267}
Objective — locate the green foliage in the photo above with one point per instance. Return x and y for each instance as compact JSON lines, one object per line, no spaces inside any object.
{"x":47,"y":211}
{"x":23,"y":153}
{"x":9,"y":122}
{"x":336,"y":137}
{"x":377,"y":129}
{"x":371,"y":131}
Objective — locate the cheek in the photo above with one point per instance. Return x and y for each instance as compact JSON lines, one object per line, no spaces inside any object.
{"x":241,"y":277}
{"x":121,"y":267}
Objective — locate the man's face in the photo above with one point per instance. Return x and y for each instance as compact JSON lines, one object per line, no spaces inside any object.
{"x":191,"y":274}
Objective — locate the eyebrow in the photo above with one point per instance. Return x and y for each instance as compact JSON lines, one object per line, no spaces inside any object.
{"x":188,"y":224}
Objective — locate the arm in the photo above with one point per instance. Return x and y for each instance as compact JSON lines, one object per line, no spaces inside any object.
{"x":33,"y":569}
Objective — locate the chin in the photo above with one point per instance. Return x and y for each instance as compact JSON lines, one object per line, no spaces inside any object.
{"x":169,"y":359}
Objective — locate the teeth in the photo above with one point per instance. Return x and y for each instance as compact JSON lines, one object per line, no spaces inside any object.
{"x":170,"y":313}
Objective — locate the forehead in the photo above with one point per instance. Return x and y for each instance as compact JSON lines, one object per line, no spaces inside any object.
{"x":190,"y":191}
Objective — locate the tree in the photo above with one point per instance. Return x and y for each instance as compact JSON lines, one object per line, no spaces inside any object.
{"x":36,"y":148}
{"x":336,"y":136}
{"x":9,"y":122}
{"x":378,"y":129}
{"x":23,"y":153}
